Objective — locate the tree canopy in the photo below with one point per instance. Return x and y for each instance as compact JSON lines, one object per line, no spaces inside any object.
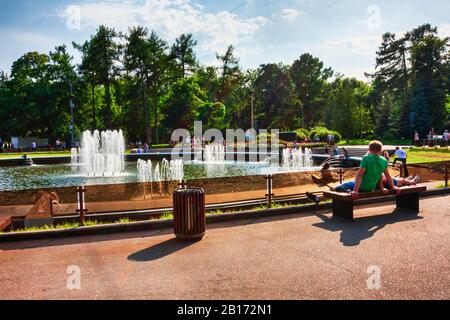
{"x":148,"y":87}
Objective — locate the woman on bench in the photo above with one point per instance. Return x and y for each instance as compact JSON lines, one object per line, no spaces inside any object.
{"x":369,"y":175}
{"x":400,"y":182}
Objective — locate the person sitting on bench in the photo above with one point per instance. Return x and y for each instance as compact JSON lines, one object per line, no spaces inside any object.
{"x":369,"y":175}
{"x":326,"y":175}
{"x":27,"y":161}
{"x":345,"y":153}
{"x":401,"y":182}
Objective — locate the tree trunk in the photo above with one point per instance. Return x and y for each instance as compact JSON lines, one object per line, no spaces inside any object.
{"x":108,"y":119}
{"x":148,"y":133}
{"x":94,"y":121}
{"x":156,"y":120}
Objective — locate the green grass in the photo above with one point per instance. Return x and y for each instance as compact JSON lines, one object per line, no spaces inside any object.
{"x":63,"y":226}
{"x":357,"y":142}
{"x":416,"y":155}
{"x":34,"y":154}
{"x":162,"y":145}
{"x":66,"y":226}
{"x":167,"y":215}
{"x":427,"y":155}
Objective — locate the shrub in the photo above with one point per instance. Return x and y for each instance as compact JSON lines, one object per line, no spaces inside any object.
{"x":388,"y":135}
{"x":323,"y":133}
{"x":268,"y":136}
{"x":311,"y":145}
{"x":302,"y":133}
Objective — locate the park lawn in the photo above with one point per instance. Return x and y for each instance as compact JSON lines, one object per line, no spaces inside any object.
{"x":359,"y":142}
{"x":39,"y":154}
{"x":34,"y":154}
{"x":418,"y":155}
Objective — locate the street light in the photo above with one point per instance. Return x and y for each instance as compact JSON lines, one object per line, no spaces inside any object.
{"x":71,"y":106}
{"x":252,"y":92}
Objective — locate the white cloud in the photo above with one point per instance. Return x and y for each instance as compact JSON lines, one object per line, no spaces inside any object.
{"x":29,"y":39}
{"x":444,"y":30}
{"x":289,"y":14}
{"x":360,"y":45}
{"x":170,"y":18}
{"x":354,"y":54}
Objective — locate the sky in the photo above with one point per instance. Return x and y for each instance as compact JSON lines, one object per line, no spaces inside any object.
{"x":344,"y":34}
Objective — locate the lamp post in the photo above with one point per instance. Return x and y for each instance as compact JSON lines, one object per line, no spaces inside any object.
{"x":251,"y":108}
{"x":72,"y":106}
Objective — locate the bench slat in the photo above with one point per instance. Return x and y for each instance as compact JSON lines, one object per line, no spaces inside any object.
{"x":343,"y":196}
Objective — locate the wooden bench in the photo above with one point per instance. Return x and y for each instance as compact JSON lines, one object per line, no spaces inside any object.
{"x":5,"y":222}
{"x":343,"y":203}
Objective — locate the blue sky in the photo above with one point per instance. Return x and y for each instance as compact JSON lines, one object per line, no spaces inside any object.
{"x":344,"y":34}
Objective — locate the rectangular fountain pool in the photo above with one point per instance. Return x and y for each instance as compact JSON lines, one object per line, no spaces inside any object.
{"x":65,"y":175}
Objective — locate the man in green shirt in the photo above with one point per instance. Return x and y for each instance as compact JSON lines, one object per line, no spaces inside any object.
{"x":369,"y":175}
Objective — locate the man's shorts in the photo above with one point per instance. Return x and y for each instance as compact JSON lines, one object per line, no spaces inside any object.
{"x":395,"y":181}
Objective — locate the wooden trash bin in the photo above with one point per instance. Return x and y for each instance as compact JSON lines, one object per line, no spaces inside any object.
{"x":189,"y":213}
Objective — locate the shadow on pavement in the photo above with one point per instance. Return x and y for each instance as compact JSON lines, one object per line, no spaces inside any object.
{"x":52,"y":242}
{"x":160,"y":250}
{"x":352,"y":233}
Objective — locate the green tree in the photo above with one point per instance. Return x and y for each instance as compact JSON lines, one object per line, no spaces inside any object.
{"x":100,"y":57}
{"x":88,"y":71}
{"x":392,"y":74}
{"x":229,"y":72}
{"x":428,"y":54}
{"x":276,"y":102}
{"x":181,"y":103}
{"x":184,"y":55}
{"x":310,"y":79}
{"x":40,"y":94}
{"x":347,"y":108}
{"x":420,"y":110}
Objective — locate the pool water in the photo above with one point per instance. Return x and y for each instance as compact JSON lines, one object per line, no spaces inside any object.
{"x":65,"y":175}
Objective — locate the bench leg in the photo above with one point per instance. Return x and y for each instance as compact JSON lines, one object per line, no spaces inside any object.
{"x":343,"y":210}
{"x":408,"y":202}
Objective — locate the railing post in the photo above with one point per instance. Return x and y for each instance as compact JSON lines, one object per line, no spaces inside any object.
{"x":182,"y":184}
{"x":81,"y":204}
{"x":269,"y":193}
{"x":341,"y":176}
{"x":446,"y":174}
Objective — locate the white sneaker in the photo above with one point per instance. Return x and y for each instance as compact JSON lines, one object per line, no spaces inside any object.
{"x":417,"y":179}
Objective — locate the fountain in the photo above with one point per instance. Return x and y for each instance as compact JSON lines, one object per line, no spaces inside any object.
{"x":101,"y":154}
{"x":164,"y":171}
{"x":74,"y":156}
{"x":296,"y":158}
{"x":100,"y":161}
{"x":214,"y":152}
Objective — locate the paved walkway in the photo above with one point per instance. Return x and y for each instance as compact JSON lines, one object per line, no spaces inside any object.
{"x":292,"y":257}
